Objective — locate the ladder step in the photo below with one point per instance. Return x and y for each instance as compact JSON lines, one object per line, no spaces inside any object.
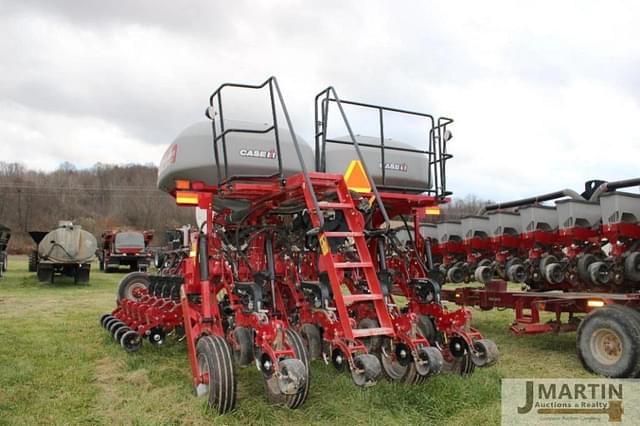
{"x":344,"y":234}
{"x":328,"y":205}
{"x":361,"y":297}
{"x":347,"y":265}
{"x":367,"y":332}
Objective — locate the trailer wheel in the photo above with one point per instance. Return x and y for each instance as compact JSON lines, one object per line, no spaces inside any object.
{"x":243,"y":349}
{"x":313,"y":342}
{"x":131,"y":282}
{"x":45,"y":273}
{"x":297,"y":369}
{"x":214,"y":359}
{"x":33,"y":261}
{"x":607,"y":342}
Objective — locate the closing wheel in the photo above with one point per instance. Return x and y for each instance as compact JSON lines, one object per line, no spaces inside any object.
{"x":313,"y":342}
{"x":115,"y":325}
{"x":427,"y":328}
{"x":372,"y":343}
{"x":367,"y":370}
{"x":130,"y":283}
{"x":214,"y":360}
{"x":119,"y":333}
{"x":131,"y":341}
{"x":607,"y":342}
{"x":109,"y":321}
{"x":430,"y":361}
{"x":292,"y":387}
{"x":486,"y":353}
{"x":103,"y":318}
{"x":243,"y":346}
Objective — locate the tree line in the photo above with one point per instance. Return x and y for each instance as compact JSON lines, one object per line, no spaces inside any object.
{"x":109,"y":196}
{"x":98,"y":198}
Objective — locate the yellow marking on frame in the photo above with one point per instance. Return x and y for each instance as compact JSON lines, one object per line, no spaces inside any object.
{"x":324,"y":244}
{"x":355,"y":177}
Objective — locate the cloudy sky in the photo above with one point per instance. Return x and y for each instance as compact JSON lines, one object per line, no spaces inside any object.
{"x":544,"y":94}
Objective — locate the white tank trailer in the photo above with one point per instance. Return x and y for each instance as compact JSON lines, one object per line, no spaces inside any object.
{"x":68,"y":250}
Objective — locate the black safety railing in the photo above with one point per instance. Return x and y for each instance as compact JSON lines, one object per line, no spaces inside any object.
{"x":215,"y":104}
{"x":436,"y":147}
{"x":325,"y":97}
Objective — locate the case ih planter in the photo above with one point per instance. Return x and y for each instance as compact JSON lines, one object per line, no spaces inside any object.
{"x":68,"y":250}
{"x":292,"y":264}
{"x":125,"y":248}
{"x":580,"y":257}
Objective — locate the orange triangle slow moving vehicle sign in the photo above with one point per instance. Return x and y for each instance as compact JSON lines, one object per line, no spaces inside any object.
{"x":355,"y":177}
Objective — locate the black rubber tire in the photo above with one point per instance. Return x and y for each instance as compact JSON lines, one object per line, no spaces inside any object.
{"x":129,"y":281}
{"x":100,"y":262}
{"x":292,"y":401}
{"x":33,"y":261}
{"x":427,"y":328}
{"x":45,"y":273}
{"x":310,"y":334}
{"x":103,"y":318}
{"x":619,"y":321}
{"x":583,"y":267}
{"x":214,"y":357}
{"x":109,"y":321}
{"x":631,"y":266}
{"x":131,"y":341}
{"x":120,"y":332}
{"x":244,"y":355}
{"x":373,"y":370}
{"x":115,"y":326}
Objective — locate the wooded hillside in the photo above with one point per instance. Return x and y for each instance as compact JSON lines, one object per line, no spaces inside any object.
{"x":99,"y":198}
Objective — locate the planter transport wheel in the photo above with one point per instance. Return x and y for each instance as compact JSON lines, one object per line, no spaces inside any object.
{"x":214,"y":360}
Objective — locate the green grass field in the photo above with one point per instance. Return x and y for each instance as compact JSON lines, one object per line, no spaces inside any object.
{"x":58,"y":366}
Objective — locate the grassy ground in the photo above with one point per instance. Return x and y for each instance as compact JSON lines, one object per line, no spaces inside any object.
{"x":58,"y":366}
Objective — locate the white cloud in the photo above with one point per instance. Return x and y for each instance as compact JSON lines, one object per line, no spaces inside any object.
{"x":545,"y":95}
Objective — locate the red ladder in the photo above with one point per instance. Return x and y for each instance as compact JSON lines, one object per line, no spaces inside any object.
{"x":355,"y":223}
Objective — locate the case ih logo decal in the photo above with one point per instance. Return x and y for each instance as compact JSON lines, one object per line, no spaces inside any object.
{"x":258,"y":153}
{"x":397,"y":167}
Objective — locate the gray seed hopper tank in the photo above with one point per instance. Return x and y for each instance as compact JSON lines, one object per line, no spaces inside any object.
{"x":67,"y":250}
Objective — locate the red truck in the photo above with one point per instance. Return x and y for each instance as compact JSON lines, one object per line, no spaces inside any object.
{"x":125,"y":248}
